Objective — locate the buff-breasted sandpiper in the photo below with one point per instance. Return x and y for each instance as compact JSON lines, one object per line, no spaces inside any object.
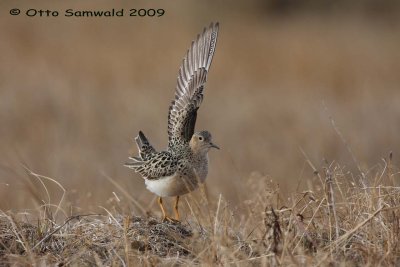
{"x":184,"y":164}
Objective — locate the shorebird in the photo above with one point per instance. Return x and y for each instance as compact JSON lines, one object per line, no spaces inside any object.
{"x":184,"y":164}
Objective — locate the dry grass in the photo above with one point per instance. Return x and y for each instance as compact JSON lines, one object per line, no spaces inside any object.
{"x":302,"y":99}
{"x":338,"y":222}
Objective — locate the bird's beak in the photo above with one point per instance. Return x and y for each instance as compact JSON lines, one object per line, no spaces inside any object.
{"x":214,"y":146}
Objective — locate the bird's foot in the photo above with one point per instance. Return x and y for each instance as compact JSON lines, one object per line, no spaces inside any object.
{"x":169,"y":219}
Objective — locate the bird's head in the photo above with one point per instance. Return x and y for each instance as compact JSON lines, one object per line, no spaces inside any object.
{"x":201,"y":142}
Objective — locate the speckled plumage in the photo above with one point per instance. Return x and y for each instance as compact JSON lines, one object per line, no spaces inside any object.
{"x":184,"y":164}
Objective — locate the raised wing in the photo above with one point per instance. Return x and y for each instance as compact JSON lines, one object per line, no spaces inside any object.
{"x":189,"y":90}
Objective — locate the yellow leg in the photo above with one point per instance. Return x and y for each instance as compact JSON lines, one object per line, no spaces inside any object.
{"x":165,"y":217}
{"x":162,"y":208}
{"x":176,"y":208}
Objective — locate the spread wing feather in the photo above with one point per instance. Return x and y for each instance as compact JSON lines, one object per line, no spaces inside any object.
{"x":189,"y":90}
{"x":159,"y":165}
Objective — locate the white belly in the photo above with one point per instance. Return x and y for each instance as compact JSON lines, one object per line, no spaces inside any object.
{"x":171,"y":186}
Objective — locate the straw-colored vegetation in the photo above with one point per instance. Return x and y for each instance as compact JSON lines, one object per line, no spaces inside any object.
{"x":303,"y":101}
{"x":343,"y":219}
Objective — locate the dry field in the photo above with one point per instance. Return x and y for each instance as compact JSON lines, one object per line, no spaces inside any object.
{"x":304,"y":102}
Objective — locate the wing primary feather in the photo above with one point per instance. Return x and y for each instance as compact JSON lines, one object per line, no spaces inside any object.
{"x":192,"y":76}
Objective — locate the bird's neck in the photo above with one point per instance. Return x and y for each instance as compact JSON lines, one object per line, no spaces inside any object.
{"x":199,"y":153}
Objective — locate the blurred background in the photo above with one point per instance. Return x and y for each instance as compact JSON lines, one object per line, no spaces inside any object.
{"x":288,"y":76}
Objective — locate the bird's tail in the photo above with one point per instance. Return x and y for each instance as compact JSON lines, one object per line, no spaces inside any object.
{"x":144,"y":146}
{"x":145,"y":151}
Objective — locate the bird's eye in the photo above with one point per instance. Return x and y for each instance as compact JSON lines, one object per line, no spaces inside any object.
{"x":200,"y":138}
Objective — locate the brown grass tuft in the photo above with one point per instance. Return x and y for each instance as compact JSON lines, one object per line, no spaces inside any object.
{"x":339,"y":221}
